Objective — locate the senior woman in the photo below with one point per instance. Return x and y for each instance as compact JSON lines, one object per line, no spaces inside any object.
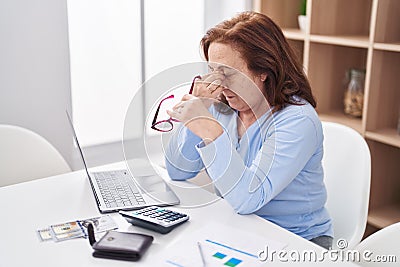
{"x":264,"y":156}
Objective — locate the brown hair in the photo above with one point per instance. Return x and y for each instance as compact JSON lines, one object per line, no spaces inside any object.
{"x":266,"y":51}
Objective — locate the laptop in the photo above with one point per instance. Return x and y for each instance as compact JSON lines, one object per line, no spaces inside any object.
{"x":118,"y":190}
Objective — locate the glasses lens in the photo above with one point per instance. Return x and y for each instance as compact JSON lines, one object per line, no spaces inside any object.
{"x":163,"y":126}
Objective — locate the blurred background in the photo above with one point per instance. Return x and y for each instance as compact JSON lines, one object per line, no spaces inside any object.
{"x":90,"y":57}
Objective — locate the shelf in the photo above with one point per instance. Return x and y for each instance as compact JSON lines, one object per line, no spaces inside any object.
{"x":340,"y":17}
{"x":387,"y":136}
{"x":282,"y":12}
{"x":384,"y":216}
{"x":294,"y":34}
{"x":394,"y":47}
{"x":327,"y":68}
{"x":351,"y":41}
{"x":387,"y":21}
{"x":298,"y":48}
{"x":339,"y":117}
{"x":384,"y":202}
{"x":383,"y":107}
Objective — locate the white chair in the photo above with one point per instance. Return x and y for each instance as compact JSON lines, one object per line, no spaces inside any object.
{"x":347,"y":167}
{"x":25,"y":156}
{"x":383,"y":247}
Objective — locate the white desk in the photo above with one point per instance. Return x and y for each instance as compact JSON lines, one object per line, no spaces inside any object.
{"x":69,"y":197}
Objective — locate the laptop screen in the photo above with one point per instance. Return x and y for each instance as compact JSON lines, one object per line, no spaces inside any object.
{"x":77,"y":142}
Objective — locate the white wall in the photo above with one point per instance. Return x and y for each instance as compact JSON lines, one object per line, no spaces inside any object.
{"x":219,"y":10}
{"x":34,"y":68}
{"x":105,"y":48}
{"x":173,"y":30}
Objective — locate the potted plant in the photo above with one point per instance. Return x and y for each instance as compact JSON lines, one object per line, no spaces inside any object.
{"x":302,"y":18}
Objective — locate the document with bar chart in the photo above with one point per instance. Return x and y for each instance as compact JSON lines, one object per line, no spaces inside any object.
{"x":220,"y":245}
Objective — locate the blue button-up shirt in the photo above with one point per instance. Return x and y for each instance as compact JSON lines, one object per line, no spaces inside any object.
{"x":274,"y":170}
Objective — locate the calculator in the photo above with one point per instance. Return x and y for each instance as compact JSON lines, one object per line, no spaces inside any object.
{"x":155,"y":218}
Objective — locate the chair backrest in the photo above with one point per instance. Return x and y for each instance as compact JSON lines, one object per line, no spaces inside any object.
{"x":25,"y":156}
{"x":383,"y":244}
{"x":347,"y":167}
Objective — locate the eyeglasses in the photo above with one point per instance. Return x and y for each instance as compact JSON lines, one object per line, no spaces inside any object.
{"x":167,"y":125}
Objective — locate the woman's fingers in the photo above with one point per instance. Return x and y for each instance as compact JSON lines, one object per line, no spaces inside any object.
{"x":208,"y":78}
{"x":177,"y":110}
{"x":186,"y":97}
{"x":214,"y":85}
{"x":171,"y":113}
{"x":188,"y":108}
{"x":214,"y":81}
{"x":175,"y":113}
{"x":209,"y":85}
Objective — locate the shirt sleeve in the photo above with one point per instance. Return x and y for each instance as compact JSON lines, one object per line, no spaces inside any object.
{"x":182,"y":160}
{"x":283,"y":154}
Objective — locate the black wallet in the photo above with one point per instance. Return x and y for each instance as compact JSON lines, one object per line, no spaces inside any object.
{"x":119,"y":245}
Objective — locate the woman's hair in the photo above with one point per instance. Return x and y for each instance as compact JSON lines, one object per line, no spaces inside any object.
{"x":264,"y":48}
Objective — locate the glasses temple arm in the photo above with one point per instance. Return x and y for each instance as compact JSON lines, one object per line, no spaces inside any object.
{"x":158,"y":109}
{"x":192,"y":86}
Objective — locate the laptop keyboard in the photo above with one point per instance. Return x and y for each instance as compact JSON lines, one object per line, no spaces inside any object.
{"x":118,"y":189}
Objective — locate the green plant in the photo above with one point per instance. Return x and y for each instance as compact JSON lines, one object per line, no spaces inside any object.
{"x":303,"y":7}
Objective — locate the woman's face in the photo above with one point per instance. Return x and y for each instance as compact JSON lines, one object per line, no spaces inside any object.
{"x":242,"y":88}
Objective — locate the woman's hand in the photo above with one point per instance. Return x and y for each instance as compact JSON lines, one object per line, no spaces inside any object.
{"x":209,"y":86}
{"x":193,"y":112}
